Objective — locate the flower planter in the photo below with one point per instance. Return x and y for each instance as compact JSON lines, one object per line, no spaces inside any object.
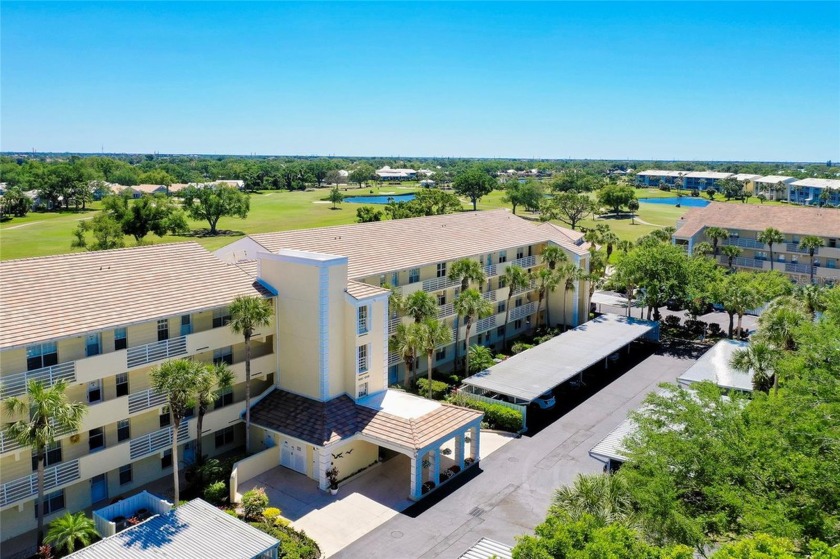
{"x":333,"y":490}
{"x":428,"y":486}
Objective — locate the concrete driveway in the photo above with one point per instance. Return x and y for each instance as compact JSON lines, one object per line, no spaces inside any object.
{"x":511,"y":492}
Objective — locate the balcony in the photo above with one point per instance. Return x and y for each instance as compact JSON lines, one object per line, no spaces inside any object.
{"x":261,"y":365}
{"x":104,"y":413}
{"x":23,"y":488}
{"x":436,"y":284}
{"x":7,"y":444}
{"x":523,"y":311}
{"x":743,"y":262}
{"x":221,"y":336}
{"x":446,"y":310}
{"x":105,"y":364}
{"x":394,"y":358}
{"x":144,"y":400}
{"x":157,"y":441}
{"x":490,"y":270}
{"x":798,"y":268}
{"x":15,"y":385}
{"x":156,"y":351}
{"x":488,"y":323}
{"x":794,"y":247}
{"x":745,"y":243}
{"x":828,"y":273}
{"x":393,"y":323}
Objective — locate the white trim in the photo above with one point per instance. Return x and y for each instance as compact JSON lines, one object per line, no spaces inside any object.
{"x":324,"y":331}
{"x":318,"y":259}
{"x":385,"y":352}
{"x":358,"y":301}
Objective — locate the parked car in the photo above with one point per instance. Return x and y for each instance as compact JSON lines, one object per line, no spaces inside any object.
{"x":544,"y":401}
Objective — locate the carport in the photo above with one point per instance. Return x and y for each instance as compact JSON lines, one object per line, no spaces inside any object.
{"x":533,"y":372}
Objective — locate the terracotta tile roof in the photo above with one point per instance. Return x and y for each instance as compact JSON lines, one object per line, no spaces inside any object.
{"x":71,"y":294}
{"x":149,"y":188}
{"x":322,"y":423}
{"x":822,"y":222}
{"x":384,"y":246}
{"x":361,"y":290}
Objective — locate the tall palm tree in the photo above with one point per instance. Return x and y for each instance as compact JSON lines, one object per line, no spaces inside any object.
{"x":546,"y":281}
{"x":553,"y":255}
{"x":516,"y":278}
{"x":813,"y":298}
{"x":737,"y":296}
{"x":472,"y":306}
{"x":811,"y":243}
{"x":405,"y":342}
{"x":610,"y":240}
{"x":212,"y":382}
{"x":702,"y":249}
{"x":179,"y":381}
{"x":247,"y":314}
{"x":420,"y":306}
{"x":569,"y":276}
{"x":779,"y":323}
{"x":769,"y":237}
{"x":71,"y":529}
{"x":432,"y":334}
{"x":467,"y":271}
{"x":48,"y":414}
{"x":606,"y":497}
{"x":731,"y":252}
{"x":716,"y":234}
{"x":759,"y":358}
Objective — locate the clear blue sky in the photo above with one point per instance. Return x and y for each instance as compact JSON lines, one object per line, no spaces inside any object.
{"x":722,"y":81}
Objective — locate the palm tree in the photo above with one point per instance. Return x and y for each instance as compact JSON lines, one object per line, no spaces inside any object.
{"x":420,"y":306}
{"x":466,"y":271}
{"x":246,"y":315}
{"x":771,"y":236}
{"x":731,"y":252}
{"x":71,"y":529}
{"x":472,"y":306}
{"x":568,"y":275}
{"x":516,"y":278}
{"x":759,"y":358}
{"x":431,"y":335}
{"x":813,"y":298}
{"x":703,"y":249}
{"x":212,"y":382}
{"x":625,"y":246}
{"x":610,"y":240}
{"x":737,"y":296}
{"x":716,"y":234}
{"x":779,"y":323}
{"x":48,"y":414}
{"x":481,"y":358}
{"x":179,"y":381}
{"x":553,"y":255}
{"x":546,"y":281}
{"x":811,"y":243}
{"x":405,"y":342}
{"x":606,"y":497}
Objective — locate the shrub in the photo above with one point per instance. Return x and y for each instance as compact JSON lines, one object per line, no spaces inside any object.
{"x":293,"y":544}
{"x":519,"y":347}
{"x":254,"y":503}
{"x":211,"y":471}
{"x":672,"y":321}
{"x":232,"y":512}
{"x":714,"y":329}
{"x":695,"y":192}
{"x":665,"y":188}
{"x":439,"y":389}
{"x":271,"y":513}
{"x":216,"y":493}
{"x":497,"y":416}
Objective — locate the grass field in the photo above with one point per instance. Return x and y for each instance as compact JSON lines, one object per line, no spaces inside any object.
{"x":43,"y":233}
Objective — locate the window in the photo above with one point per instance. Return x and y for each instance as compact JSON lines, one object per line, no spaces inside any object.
{"x":441,"y":270}
{"x":95,"y":391}
{"x":440,"y":354}
{"x":518,"y":302}
{"x":125,"y":474}
{"x":221,"y":317}
{"x":520,"y":253}
{"x":53,"y":502}
{"x":41,"y":355}
{"x":395,"y":279}
{"x":166,"y":459}
{"x":441,"y":299}
{"x":224,"y":436}
{"x":123,"y":430}
{"x":120,"y":339}
{"x":518,"y":324}
{"x":500,"y":307}
{"x":362,"y":352}
{"x":223,"y":355}
{"x":414,"y":275}
{"x":502,"y":256}
{"x":163,"y":329}
{"x":122,"y":384}
{"x":832,"y":243}
{"x":500,"y":331}
{"x":486,"y":337}
{"x":165,"y":420}
{"x":225,"y":398}
{"x":93,"y":345}
{"x":502,"y":282}
{"x":53,"y":456}
{"x":363,"y":390}
{"x":186,"y":325}
{"x":362,"y":320}
{"x":382,"y":281}
{"x":96,"y":439}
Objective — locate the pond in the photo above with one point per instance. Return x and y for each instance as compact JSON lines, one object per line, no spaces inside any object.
{"x":685,"y":201}
{"x":381,"y":199}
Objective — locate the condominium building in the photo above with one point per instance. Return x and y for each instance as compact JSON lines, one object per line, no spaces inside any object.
{"x":773,"y":187}
{"x":418,"y":254}
{"x":689,"y":180}
{"x":745,"y":222}
{"x":101,"y":321}
{"x":814,"y":192}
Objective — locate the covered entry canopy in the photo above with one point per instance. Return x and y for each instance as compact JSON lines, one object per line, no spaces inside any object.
{"x":531,"y":373}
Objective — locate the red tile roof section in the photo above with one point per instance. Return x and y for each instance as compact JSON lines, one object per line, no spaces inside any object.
{"x":822,"y":222}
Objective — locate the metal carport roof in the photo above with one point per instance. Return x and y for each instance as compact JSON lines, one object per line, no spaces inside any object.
{"x":539,"y":369}
{"x":612,"y":446}
{"x":714,"y":366}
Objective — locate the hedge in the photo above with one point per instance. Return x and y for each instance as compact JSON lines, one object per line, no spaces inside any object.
{"x":293,"y":544}
{"x":497,"y":416}
{"x":439,"y":389}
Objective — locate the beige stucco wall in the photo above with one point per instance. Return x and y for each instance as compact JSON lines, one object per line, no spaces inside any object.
{"x":354,"y":456}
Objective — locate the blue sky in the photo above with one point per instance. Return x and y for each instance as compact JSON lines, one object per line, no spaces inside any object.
{"x":658,"y":80}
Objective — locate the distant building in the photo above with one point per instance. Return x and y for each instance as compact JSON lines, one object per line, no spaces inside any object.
{"x":774,"y":187}
{"x":388,"y":174}
{"x":814,"y":192}
{"x":689,"y":180}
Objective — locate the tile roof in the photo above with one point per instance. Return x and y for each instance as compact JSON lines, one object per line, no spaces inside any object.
{"x":361,"y":290}
{"x":709,"y":175}
{"x":195,"y":529}
{"x":746,"y":177}
{"x":822,"y":222}
{"x":322,"y":423}
{"x":659,"y":173}
{"x":149,"y":188}
{"x":385,"y":246}
{"x":70,"y":294}
{"x":774,"y":179}
{"x":818,"y":183}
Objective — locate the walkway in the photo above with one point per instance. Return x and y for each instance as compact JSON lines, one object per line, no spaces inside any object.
{"x":513,"y":489}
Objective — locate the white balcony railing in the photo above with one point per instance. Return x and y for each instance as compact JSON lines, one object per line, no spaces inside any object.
{"x":156,"y":351}
{"x":486,"y":324}
{"x":436,"y":284}
{"x":7,"y":444}
{"x":525,"y":262}
{"x":23,"y":488}
{"x":158,"y":440}
{"x":798,"y":268}
{"x":16,"y":385}
{"x":794,"y":247}
{"x":523,"y":311}
{"x":446,"y":310}
{"x":144,"y":400}
{"x":394,"y":358}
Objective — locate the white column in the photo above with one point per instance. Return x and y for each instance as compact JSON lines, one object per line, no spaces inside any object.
{"x":459,"y":450}
{"x":323,"y":464}
{"x":475,"y":444}
{"x":416,"y":477}
{"x":436,"y":465}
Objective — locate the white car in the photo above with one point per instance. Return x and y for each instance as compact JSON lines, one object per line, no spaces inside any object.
{"x":544,"y":401}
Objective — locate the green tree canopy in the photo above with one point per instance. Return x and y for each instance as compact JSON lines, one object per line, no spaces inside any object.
{"x":528,"y":194}
{"x":211,"y":203}
{"x":474,"y":183}
{"x":615,"y":197}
